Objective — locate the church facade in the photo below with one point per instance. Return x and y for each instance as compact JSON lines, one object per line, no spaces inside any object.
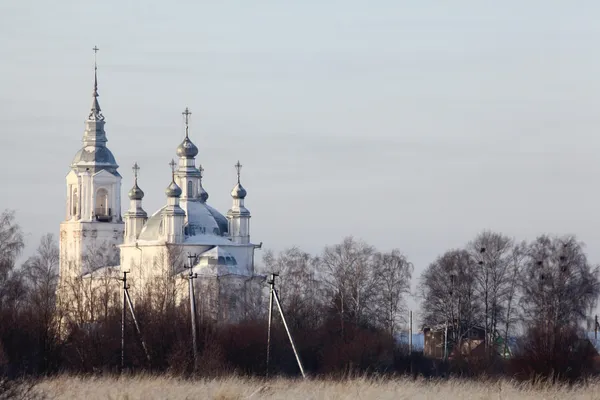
{"x":98,"y":243}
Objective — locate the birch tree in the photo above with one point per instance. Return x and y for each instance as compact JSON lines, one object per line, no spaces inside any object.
{"x":351,"y":281}
{"x":394,"y":273}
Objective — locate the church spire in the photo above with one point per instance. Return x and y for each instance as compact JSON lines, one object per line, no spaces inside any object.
{"x":238,"y":215}
{"x":238,"y":191}
{"x":187,"y":149}
{"x":95,"y":112}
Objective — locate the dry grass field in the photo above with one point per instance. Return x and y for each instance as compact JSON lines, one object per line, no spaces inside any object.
{"x":161,"y":387}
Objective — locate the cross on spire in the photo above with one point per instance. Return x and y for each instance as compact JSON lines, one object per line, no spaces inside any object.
{"x":95,"y":52}
{"x":238,"y":168}
{"x":136,"y":169}
{"x":187,"y":114}
{"x":95,"y":71}
{"x":96,"y":112}
{"x":172,"y":165}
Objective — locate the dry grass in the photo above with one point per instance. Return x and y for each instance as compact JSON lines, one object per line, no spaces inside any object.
{"x":161,"y":387}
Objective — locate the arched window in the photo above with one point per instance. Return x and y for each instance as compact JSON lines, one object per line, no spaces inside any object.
{"x":74,"y":202}
{"x":103,"y":210}
{"x":190,"y":189}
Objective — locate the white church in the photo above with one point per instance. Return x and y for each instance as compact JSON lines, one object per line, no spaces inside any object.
{"x":99,"y":242}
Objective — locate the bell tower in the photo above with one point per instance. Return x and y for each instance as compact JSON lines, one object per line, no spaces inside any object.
{"x":93,"y":225}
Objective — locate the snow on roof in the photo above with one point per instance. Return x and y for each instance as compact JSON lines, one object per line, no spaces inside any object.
{"x":218,"y":262}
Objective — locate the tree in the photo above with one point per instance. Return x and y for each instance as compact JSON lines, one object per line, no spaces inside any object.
{"x":11,"y":245}
{"x":299,"y":288}
{"x":394,"y":273}
{"x":494,"y":255}
{"x":558,"y":285}
{"x":448,"y":290}
{"x":351,"y":281}
{"x":40,"y":273}
{"x":511,"y":316}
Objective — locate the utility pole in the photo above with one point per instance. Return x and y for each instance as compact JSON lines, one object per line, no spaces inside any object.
{"x":410,"y":333}
{"x":190,"y":277}
{"x":273,"y":295}
{"x":446,"y":342}
{"x":135,"y":322}
{"x":127,"y":302}
{"x":123,"y":315}
{"x":271,"y":283}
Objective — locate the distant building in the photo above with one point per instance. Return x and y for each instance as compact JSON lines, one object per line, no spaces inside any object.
{"x":435,"y":341}
{"x":98,"y":243}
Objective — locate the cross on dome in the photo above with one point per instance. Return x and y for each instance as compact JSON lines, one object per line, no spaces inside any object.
{"x":136,"y":169}
{"x":187,"y":114}
{"x":238,"y":168}
{"x":172,"y":165}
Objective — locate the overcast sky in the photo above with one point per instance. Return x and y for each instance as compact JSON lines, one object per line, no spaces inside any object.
{"x":409,"y":124}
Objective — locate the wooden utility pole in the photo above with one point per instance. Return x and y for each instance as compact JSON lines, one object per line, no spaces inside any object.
{"x":190,"y":277}
{"x":127,"y":302}
{"x":410,"y":332}
{"x":123,"y":317}
{"x":273,"y":295}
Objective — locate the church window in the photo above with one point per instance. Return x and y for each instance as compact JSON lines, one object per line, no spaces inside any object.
{"x":74,"y":202}
{"x":102,"y":208}
{"x":190,"y":188}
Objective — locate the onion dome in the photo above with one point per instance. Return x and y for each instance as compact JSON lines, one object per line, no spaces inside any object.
{"x":136,"y":193}
{"x":173,"y":190}
{"x":202,"y":194}
{"x":187,"y":149}
{"x":238,"y":191}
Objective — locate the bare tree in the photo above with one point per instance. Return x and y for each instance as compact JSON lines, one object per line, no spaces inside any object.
{"x":494,"y":255}
{"x":300,"y":290}
{"x":40,"y":272}
{"x":394,"y":273}
{"x":449,"y":295}
{"x":351,"y":281}
{"x":558,"y":284}
{"x":11,"y":245}
{"x":511,"y":316}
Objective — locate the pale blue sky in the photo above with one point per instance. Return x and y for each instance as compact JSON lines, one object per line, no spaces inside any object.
{"x":408,"y":124}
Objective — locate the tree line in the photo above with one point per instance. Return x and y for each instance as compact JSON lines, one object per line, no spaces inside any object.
{"x":345,"y":307}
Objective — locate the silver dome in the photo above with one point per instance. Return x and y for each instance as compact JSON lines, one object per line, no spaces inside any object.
{"x":238,"y":191}
{"x":173,"y":190}
{"x":222,"y":221}
{"x":136,"y":193}
{"x":95,"y":158}
{"x":187,"y":149}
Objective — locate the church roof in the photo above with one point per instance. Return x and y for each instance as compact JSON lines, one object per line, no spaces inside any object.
{"x":218,"y":262}
{"x":96,"y":158}
{"x":203,"y":224}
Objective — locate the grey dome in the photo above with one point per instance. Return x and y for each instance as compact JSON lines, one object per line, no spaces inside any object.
{"x":238,"y":191}
{"x":221,"y":220}
{"x":173,"y":190}
{"x":136,"y":193}
{"x":94,"y":154}
{"x":187,"y":149}
{"x":203,"y":224}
